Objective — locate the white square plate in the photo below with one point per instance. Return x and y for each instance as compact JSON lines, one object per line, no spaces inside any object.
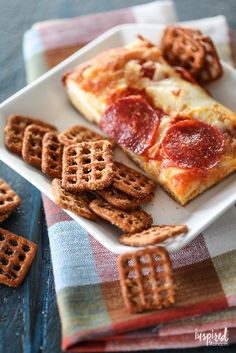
{"x":46,"y":98}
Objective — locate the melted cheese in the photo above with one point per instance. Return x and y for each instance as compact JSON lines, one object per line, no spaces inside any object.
{"x":170,"y":93}
{"x":175,"y":96}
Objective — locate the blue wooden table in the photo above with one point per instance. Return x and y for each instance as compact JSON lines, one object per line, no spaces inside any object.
{"x":29,"y":320}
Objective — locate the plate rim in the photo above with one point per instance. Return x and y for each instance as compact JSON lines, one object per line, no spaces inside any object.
{"x":111,"y":32}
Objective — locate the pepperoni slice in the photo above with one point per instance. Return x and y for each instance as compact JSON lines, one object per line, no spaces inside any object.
{"x":132,"y":122}
{"x":193,"y":144}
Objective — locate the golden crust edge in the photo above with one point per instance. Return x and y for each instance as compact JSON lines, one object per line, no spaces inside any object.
{"x":94,"y":116}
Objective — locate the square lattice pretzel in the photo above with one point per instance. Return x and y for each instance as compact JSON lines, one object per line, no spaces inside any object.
{"x":146,"y":279}
{"x":132,"y":182}
{"x":129,"y":221}
{"x":52,"y":151}
{"x":79,"y":203}
{"x":16,"y":256}
{"x":181,"y":46}
{"x":87,"y":166}
{"x":32,"y":144}
{"x":9,"y":200}
{"x":189,"y":48}
{"x":15,"y":128}
{"x":78,"y":134}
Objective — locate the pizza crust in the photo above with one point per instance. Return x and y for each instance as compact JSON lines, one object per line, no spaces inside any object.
{"x":120,"y":69}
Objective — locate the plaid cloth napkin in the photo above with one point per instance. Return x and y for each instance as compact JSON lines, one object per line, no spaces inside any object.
{"x":87,"y":286}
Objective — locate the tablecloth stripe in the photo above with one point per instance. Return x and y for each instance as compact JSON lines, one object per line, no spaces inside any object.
{"x":89,"y":299}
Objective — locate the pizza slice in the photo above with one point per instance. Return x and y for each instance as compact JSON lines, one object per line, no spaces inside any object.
{"x":176,"y":132}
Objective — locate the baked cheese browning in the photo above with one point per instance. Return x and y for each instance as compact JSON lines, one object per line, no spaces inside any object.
{"x":176,"y":98}
{"x":103,"y":72}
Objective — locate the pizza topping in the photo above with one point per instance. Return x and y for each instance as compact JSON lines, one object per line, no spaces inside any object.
{"x":148,"y":69}
{"x":132,"y":122}
{"x":185,"y":74}
{"x":129,"y":91}
{"x":193,"y":144}
{"x":176,"y":92}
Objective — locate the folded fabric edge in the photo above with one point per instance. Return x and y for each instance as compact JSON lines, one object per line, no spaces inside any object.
{"x":35,"y":63}
{"x":188,"y":340}
{"x":142,"y":323}
{"x":168,"y":6}
{"x":37,"y":41}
